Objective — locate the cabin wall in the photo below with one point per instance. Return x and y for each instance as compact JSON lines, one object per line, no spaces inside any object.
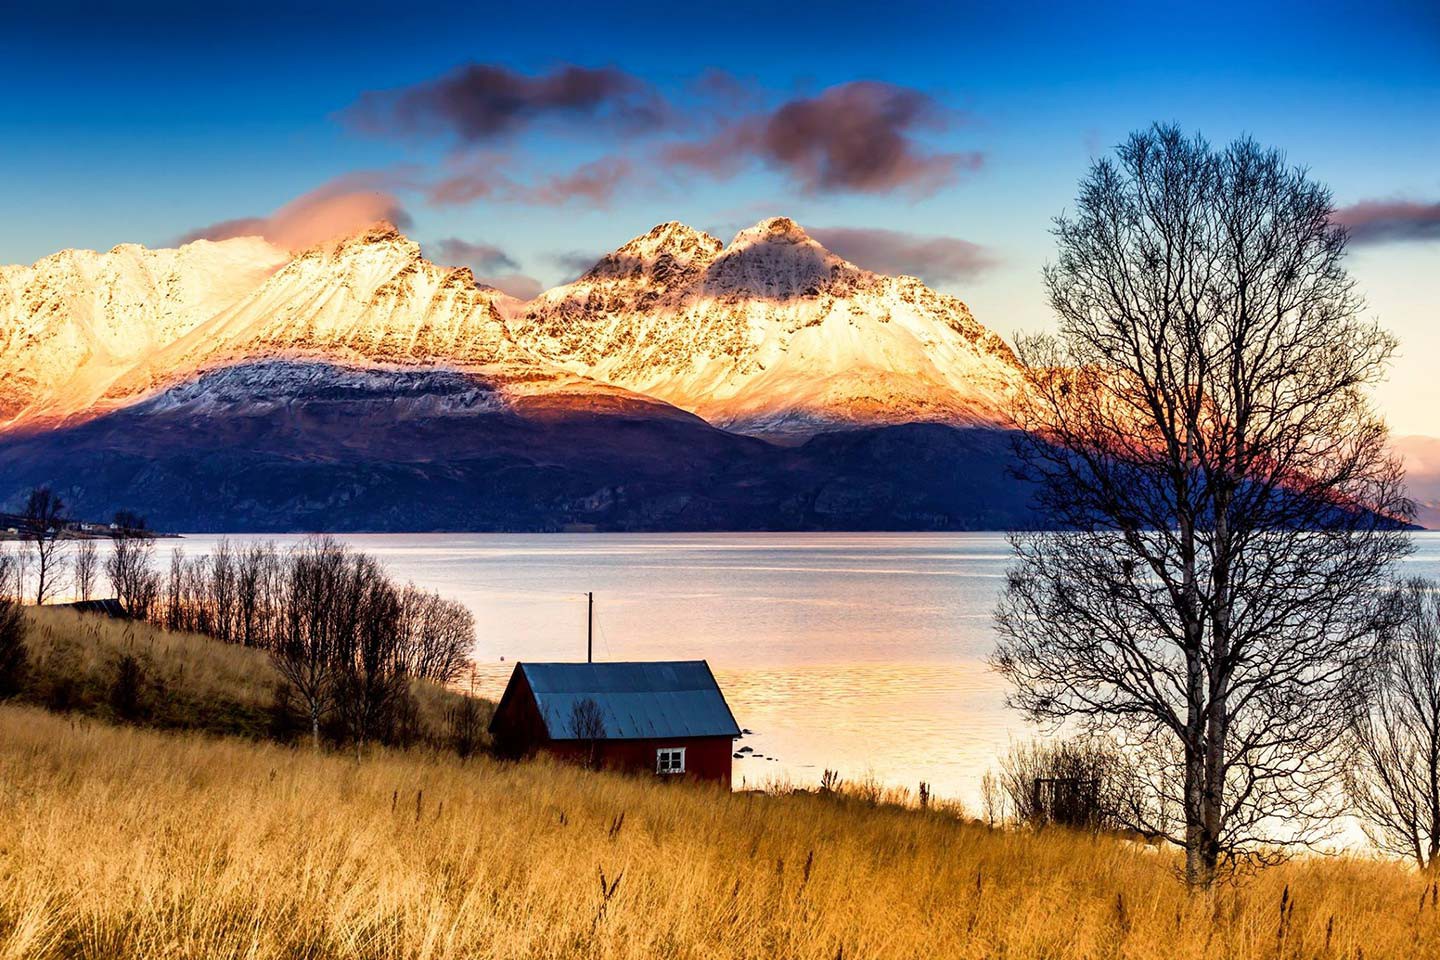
{"x":517,"y":727}
{"x":707,"y":759}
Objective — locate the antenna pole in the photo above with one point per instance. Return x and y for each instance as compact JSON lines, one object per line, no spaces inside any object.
{"x":590,"y":628}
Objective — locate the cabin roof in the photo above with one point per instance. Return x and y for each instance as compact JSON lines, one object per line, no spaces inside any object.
{"x":638,"y":700}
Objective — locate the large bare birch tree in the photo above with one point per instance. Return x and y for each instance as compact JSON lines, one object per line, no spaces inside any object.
{"x":1199,"y":431}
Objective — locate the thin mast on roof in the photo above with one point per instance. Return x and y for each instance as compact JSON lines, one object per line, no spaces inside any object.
{"x":590,"y":628}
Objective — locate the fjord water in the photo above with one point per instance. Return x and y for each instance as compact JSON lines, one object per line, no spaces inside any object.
{"x":863,"y":653}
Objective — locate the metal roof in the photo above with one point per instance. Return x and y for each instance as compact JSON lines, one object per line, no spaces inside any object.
{"x":639,"y":700}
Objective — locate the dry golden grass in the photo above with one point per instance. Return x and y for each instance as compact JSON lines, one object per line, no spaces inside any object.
{"x":122,"y":842}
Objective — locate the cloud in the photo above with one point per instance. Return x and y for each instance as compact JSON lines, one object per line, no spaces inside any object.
{"x":491,"y":265}
{"x":1384,"y":221}
{"x":934,"y":259}
{"x":573,"y":263}
{"x":595,"y":182}
{"x":340,"y":207}
{"x":858,"y":136}
{"x":479,"y":103}
{"x":482,"y":258}
{"x":518,"y":285}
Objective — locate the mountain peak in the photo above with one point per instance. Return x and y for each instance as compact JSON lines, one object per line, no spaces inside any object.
{"x":772,"y":230}
{"x":671,"y":251}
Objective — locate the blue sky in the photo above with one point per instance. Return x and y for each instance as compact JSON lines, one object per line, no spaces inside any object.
{"x":147,"y":122}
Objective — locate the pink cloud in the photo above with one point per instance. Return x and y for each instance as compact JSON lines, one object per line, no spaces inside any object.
{"x":517,"y":285}
{"x":595,"y":182}
{"x":338,"y":208}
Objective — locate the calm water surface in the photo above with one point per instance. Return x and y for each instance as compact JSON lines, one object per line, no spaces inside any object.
{"x":863,"y":653}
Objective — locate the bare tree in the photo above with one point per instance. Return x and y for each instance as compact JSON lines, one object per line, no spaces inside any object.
{"x":316,"y":611}
{"x":175,"y":606}
{"x":439,"y":635}
{"x":1199,"y":433}
{"x":44,"y":520}
{"x":222,"y":590}
{"x":87,"y":569}
{"x":587,"y":724}
{"x":129,"y":568}
{"x":1394,"y":737}
{"x":370,"y":676}
{"x":1084,"y":783}
{"x":14,"y":657}
{"x":256,"y":582}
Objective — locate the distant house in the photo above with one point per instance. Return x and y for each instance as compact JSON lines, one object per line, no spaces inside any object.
{"x":105,"y":606}
{"x":664,"y":718}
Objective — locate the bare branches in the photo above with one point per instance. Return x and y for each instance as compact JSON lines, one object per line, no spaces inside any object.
{"x":43,"y":521}
{"x":128,"y":568}
{"x":87,"y":569}
{"x":1199,"y":428}
{"x":1394,"y":736}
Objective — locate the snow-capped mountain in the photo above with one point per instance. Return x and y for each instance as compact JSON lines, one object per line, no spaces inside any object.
{"x":772,"y":335}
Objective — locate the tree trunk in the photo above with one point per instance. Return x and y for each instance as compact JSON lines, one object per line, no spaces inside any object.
{"x":315,"y":724}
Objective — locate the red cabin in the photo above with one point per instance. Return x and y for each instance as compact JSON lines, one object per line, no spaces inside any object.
{"x":667,"y":719}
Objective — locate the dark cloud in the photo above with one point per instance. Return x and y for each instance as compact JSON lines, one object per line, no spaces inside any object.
{"x":482,"y":258}
{"x":858,"y":136}
{"x":573,"y":263}
{"x":933,"y":259}
{"x":478,"y":103}
{"x":1383,"y":221}
{"x":337,"y":208}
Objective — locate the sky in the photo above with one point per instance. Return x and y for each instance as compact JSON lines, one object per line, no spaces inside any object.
{"x":527,"y":139}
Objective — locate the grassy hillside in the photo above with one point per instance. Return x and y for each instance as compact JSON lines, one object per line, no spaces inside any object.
{"x":174,"y":680}
{"x":127,"y":842}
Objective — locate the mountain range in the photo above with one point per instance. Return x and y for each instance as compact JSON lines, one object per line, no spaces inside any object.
{"x":680,"y":383}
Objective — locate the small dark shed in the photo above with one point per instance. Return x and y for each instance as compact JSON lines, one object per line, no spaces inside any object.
{"x":666,"y":718}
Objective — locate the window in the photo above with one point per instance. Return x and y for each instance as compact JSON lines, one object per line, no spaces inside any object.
{"x":670,"y":760}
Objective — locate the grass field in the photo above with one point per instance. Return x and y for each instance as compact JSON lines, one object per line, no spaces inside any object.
{"x":127,"y":842}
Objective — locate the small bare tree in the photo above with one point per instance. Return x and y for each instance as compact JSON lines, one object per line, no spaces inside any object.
{"x":256,"y":578}
{"x":130,"y":570}
{"x":14,"y":656}
{"x":44,"y":521}
{"x":587,"y":725}
{"x":87,"y":569}
{"x":1223,"y":509}
{"x":1394,"y":737}
{"x":222,"y":592}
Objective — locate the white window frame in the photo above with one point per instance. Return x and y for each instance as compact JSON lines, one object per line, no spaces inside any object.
{"x":661,"y":768}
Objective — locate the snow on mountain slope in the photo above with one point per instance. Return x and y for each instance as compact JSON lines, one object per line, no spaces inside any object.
{"x":368,"y":299}
{"x":72,"y":322}
{"x":771,"y":335}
